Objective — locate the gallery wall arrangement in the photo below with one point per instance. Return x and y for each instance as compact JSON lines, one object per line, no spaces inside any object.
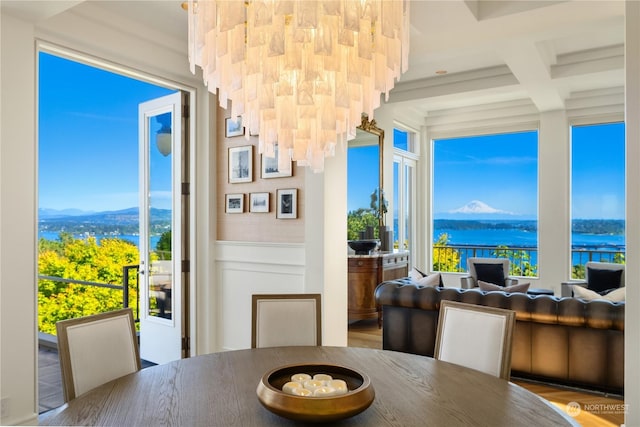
{"x":258,"y":201}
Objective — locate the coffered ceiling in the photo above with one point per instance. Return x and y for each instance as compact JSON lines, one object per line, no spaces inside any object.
{"x":463,"y":54}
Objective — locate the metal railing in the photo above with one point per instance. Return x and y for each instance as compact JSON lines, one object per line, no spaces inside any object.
{"x":124,"y":287}
{"x":523,"y":259}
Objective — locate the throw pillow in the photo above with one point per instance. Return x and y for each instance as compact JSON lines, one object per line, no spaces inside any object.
{"x":416,"y":274}
{"x":520,"y":287}
{"x":432,"y":280}
{"x":588,"y":295}
{"x":601,"y":279}
{"x":617,"y":295}
{"x":490,"y":273}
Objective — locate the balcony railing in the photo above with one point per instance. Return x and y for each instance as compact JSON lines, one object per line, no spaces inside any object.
{"x":523,"y":260}
{"x":125,"y":287}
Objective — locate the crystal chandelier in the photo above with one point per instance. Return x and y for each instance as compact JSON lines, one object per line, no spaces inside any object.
{"x":299,"y":73}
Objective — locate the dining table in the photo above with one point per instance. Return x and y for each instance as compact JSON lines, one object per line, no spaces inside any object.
{"x":219,"y":389}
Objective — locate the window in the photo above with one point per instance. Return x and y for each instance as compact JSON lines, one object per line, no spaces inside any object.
{"x":403,"y":140}
{"x":404,"y":193}
{"x":485,"y":200}
{"x":597,"y":195}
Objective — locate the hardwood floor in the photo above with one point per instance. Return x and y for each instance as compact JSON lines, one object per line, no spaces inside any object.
{"x":595,"y":410}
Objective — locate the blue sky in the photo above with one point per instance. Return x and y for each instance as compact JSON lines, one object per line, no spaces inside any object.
{"x":499,"y":170}
{"x":362,"y":176}
{"x":502,"y":172}
{"x":88,"y":154}
{"x":88,"y":136}
{"x":598,"y":182}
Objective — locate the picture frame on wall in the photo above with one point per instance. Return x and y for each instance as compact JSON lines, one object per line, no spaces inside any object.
{"x":259,"y":202}
{"x":241,"y":164}
{"x":270,"y":167}
{"x":233,"y":127}
{"x":234,"y":203}
{"x":287,"y":201}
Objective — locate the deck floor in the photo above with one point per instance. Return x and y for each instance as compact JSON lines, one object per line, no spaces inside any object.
{"x":49,"y":380}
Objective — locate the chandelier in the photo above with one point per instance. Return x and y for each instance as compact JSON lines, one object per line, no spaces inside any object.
{"x":300,"y":73}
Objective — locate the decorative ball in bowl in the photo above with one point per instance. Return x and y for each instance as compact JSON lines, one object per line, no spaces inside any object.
{"x":357,"y":397}
{"x":363,"y":247}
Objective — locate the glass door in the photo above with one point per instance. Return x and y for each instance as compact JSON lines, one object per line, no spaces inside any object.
{"x":162,"y":296}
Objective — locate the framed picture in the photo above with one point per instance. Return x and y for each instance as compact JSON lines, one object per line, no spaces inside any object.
{"x":234,"y":203}
{"x":241,"y":164}
{"x":259,"y":202}
{"x":287,"y":200}
{"x":233,"y":127}
{"x":270,"y":167}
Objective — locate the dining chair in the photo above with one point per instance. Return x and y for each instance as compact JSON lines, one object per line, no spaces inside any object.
{"x":475,"y":336}
{"x":96,"y":349}
{"x":285,"y":320}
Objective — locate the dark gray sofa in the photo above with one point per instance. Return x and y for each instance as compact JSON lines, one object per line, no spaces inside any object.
{"x":564,"y":341}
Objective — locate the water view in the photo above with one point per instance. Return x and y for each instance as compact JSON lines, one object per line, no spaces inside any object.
{"x":133,"y":238}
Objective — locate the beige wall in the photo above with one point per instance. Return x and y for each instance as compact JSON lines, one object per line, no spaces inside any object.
{"x":17,"y":223}
{"x":248,"y":226}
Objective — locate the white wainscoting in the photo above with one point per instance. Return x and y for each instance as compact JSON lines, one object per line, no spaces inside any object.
{"x":246,"y":268}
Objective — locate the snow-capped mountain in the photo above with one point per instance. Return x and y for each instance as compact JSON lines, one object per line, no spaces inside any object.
{"x":478,"y":207}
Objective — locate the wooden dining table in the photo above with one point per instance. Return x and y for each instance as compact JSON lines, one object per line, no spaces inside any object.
{"x":219,"y":389}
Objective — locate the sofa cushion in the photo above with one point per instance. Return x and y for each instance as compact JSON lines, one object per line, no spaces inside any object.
{"x":521,"y":287}
{"x":616,"y":295}
{"x":490,"y":273}
{"x":601,"y":280}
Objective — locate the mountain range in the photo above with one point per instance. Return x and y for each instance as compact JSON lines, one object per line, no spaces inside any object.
{"x":128,"y":215}
{"x":124,"y":221}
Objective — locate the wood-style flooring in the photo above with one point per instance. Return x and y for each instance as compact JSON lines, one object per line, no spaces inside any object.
{"x":596,"y":410}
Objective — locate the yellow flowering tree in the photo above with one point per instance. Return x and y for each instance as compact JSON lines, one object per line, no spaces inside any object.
{"x":86,"y":260}
{"x":445,"y":258}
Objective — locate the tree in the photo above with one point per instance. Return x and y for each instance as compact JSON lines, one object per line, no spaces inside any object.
{"x":520,"y":264}
{"x":163,"y":247}
{"x":373,"y":216}
{"x":445,"y":258}
{"x":86,"y":260}
{"x":359,"y":220}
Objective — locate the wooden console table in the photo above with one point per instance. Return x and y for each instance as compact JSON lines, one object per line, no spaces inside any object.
{"x":365,"y":273}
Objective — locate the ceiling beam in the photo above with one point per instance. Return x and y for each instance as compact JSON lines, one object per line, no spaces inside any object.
{"x":529,"y":63}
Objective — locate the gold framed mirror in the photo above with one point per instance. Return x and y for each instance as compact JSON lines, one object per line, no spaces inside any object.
{"x":370,"y":127}
{"x":366,"y":204}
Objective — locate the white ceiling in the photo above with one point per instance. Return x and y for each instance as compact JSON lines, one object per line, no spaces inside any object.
{"x":493,"y":51}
